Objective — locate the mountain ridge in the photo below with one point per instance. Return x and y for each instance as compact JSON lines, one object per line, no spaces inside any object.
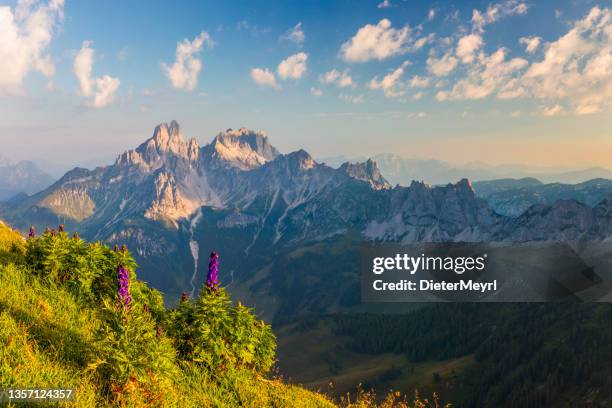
{"x":172,"y":201}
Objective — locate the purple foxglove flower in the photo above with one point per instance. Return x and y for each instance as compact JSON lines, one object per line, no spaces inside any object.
{"x":32,"y":233}
{"x":123,"y":277}
{"x":212,"y":279}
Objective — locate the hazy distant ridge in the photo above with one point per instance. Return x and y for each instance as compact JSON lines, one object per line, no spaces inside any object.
{"x":401,"y":170}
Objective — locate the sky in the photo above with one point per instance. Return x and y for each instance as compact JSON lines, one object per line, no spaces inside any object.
{"x":497,"y":82}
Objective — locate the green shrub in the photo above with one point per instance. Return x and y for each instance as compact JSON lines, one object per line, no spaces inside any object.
{"x":130,"y":351}
{"x":218,"y":335}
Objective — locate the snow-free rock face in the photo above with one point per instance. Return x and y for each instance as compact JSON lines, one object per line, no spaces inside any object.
{"x":368,"y":172}
{"x":243,"y":149}
{"x":168,"y":202}
{"x":422,"y":213}
{"x":565,"y":220}
{"x":166,"y":144}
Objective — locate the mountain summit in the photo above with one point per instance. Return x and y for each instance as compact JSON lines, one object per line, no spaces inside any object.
{"x":368,"y":172}
{"x":167,"y":142}
{"x":243,"y":149}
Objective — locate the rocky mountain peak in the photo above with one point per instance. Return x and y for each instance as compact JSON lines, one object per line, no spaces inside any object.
{"x":464,"y":187}
{"x":243,"y":149}
{"x":368,"y":172}
{"x":167,"y":141}
{"x":299,"y":160}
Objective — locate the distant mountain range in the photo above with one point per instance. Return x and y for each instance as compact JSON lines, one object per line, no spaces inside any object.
{"x":288,"y":228}
{"x":401,"y":170}
{"x":513,"y":197}
{"x":22,"y":177}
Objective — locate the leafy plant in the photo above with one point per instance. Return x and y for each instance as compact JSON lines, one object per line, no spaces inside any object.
{"x":131,"y":351}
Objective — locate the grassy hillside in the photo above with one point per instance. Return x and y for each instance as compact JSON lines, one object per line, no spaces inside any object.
{"x":50,"y":337}
{"x":74,"y":315}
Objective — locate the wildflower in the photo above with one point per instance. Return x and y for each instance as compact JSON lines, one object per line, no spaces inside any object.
{"x":116,"y":249}
{"x":212,"y":279}
{"x":61,"y":228}
{"x":32,"y":233}
{"x":75,"y":236}
{"x":123,"y":248}
{"x":53,"y":233}
{"x":184,"y":297}
{"x":123,"y":276}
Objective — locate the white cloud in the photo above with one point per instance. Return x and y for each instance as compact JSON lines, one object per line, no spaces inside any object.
{"x":417,"y":96}
{"x":442,"y":66}
{"x":263,"y":77}
{"x":577,"y":67}
{"x":295,"y":34}
{"x":467,"y":46}
{"x":573,"y":75}
{"x":422,"y":41}
{"x":378,"y":41}
{"x":183,"y":74}
{"x":25,"y":35}
{"x":491,"y":74}
{"x":341,"y":79}
{"x":418,"y":82}
{"x":495,"y":12}
{"x":100,"y":91}
{"x":531,"y":43}
{"x":385,"y":4}
{"x":390,"y":83}
{"x":431,"y":15}
{"x":316,"y":91}
{"x":555,"y":110}
{"x":293,"y":67}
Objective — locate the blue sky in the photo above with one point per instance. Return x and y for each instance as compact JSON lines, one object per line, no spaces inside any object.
{"x":499,"y":82}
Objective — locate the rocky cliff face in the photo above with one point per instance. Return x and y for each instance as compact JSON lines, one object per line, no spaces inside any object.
{"x":565,"y":221}
{"x":166,"y":144}
{"x":367,"y":172}
{"x":242,"y":149}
